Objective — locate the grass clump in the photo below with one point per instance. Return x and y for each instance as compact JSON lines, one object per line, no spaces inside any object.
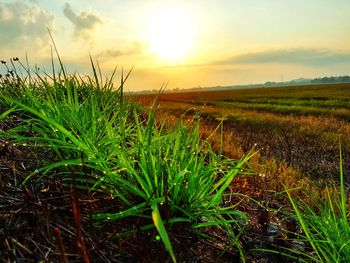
{"x":326,"y":226}
{"x":99,"y":142}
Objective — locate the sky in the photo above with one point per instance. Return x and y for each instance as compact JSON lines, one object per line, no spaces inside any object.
{"x":185,"y":43}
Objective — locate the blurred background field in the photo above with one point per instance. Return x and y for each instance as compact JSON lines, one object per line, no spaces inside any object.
{"x":297,"y":129}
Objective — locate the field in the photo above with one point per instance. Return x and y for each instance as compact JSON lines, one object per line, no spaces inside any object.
{"x":302,"y":126}
{"x":90,"y":175}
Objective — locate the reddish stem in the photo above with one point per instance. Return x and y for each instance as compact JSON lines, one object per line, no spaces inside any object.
{"x":59,"y":241}
{"x":77,"y":220}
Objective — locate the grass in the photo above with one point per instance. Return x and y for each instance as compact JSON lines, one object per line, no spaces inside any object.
{"x":101,"y":143}
{"x":326,"y":228}
{"x":299,"y":129}
{"x":337,"y":110}
{"x":314,"y":100}
{"x":289,"y":121}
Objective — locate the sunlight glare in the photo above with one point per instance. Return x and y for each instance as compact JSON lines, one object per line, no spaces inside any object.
{"x":170,"y":34}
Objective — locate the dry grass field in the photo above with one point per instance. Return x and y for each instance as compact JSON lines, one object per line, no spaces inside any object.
{"x":297,"y":129}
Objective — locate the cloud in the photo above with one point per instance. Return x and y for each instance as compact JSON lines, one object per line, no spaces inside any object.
{"x":303,"y":56}
{"x":83,"y":23}
{"x":135,"y":48}
{"x":24,"y":24}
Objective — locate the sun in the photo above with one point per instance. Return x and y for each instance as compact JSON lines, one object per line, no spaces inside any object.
{"x":170,"y":34}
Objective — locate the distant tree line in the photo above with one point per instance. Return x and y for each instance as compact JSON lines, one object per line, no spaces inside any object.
{"x":302,"y":81}
{"x":295,"y":82}
{"x":340,"y":79}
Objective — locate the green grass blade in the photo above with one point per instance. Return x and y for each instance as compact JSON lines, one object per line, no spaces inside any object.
{"x":158,"y":222}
